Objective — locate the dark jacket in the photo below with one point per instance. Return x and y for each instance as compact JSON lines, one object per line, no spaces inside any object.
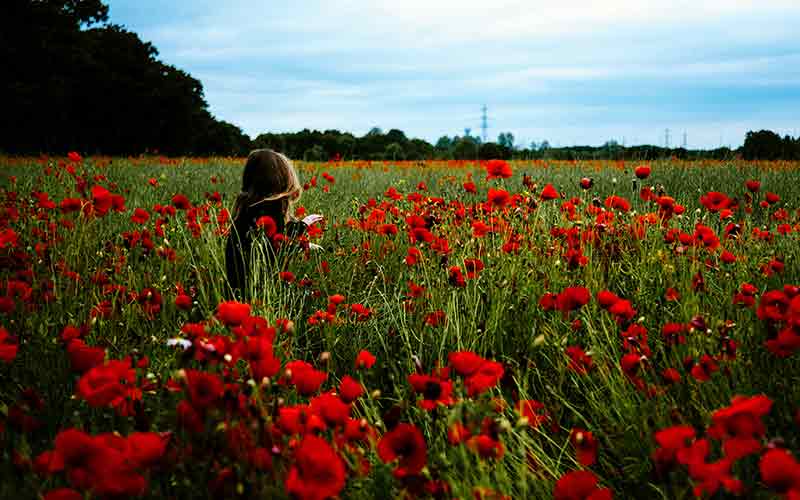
{"x":244,"y":232}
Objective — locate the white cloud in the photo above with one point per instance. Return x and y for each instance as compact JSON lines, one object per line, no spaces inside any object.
{"x":575,"y":68}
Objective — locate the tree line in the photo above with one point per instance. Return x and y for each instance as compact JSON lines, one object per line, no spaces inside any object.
{"x":75,"y":81}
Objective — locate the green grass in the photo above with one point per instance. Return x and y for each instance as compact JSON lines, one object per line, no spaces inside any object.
{"x":496,"y":315}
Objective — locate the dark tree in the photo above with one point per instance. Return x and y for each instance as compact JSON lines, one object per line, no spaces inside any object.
{"x":78,"y":83}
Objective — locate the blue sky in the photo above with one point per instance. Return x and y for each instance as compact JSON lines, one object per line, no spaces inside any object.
{"x":569,"y":71}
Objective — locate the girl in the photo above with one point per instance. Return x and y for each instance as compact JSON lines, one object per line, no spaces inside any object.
{"x":270,"y":187}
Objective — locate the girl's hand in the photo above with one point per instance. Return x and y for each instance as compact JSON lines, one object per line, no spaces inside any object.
{"x":312,"y":219}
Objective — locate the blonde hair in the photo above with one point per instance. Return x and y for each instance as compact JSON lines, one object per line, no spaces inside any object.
{"x":268,"y":177}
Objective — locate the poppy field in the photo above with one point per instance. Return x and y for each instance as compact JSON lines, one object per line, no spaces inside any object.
{"x":473,"y":330}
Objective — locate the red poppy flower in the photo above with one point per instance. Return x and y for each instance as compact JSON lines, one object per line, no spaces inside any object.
{"x":671,"y":441}
{"x":585,"y":446}
{"x":181,"y":202}
{"x":150,"y":300}
{"x":435,"y":318}
{"x":780,"y":471}
{"x":623,"y":310}
{"x":8,"y":346}
{"x":715,"y":201}
{"x":617,"y":203}
{"x":350,"y":389}
{"x":387,"y":229}
{"x":204,"y":389}
{"x":534,"y":411}
{"x":69,"y":205}
{"x":364,"y":360}
{"x":101,"y":200}
{"x":586,"y":183}
{"x":786,"y":343}
{"x":480,"y":229}
{"x":406,"y":444}
{"x":498,"y":169}
{"x":469,"y":187}
{"x":740,"y":425}
{"x":317,"y":472}
{"x":257,"y":351}
{"x":753,"y":185}
{"x":268,"y":224}
{"x":232,"y":313}
{"x":486,"y":446}
{"x":63,"y":494}
{"x":331,"y":409}
{"x":413,"y":256}
{"x":573,"y":298}
{"x":473,"y":267}
{"x":580,"y":485}
{"x":465,"y":362}
{"x":630,"y":364}
{"x":704,"y":368}
{"x":434,"y":391}
{"x":183,"y":301}
{"x":498,"y":197}
{"x":83,"y":357}
{"x":642,"y":171}
{"x":579,"y":361}
{"x":107,"y":385}
{"x":456,"y":277}
{"x":487,"y":376}
{"x":606,"y":299}
{"x":549,"y":193}
{"x":304,"y":377}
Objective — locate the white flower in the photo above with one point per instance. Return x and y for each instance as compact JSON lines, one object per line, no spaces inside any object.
{"x":185,"y":344}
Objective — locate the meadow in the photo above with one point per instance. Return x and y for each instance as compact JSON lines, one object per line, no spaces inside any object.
{"x":487,"y":330}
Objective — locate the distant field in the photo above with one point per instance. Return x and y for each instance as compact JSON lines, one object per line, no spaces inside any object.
{"x":538,"y":329}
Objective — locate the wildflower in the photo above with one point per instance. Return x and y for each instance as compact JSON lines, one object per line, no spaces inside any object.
{"x":8,"y":346}
{"x":534,"y":411}
{"x":405,"y":444}
{"x":304,"y":377}
{"x":204,"y":389}
{"x":498,"y":197}
{"x":580,"y":485}
{"x":549,"y":193}
{"x":498,"y":169}
{"x":780,"y":471}
{"x":579,"y":361}
{"x":642,"y":171}
{"x":232,"y":313}
{"x":268,"y":225}
{"x":181,"y":202}
{"x":350,"y":389}
{"x":715,"y":201}
{"x":364,"y":360}
{"x":317,"y":472}
{"x":585,"y":446}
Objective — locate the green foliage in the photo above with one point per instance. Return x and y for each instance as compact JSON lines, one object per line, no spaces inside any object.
{"x":497,"y":315}
{"x":98,"y":90}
